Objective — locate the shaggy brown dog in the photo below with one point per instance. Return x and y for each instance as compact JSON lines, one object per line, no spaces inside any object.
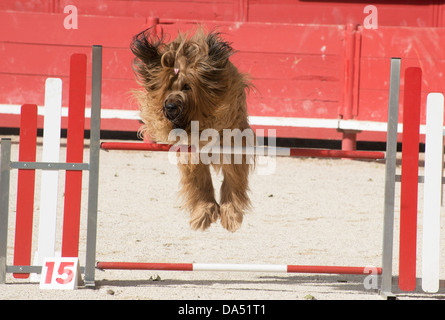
{"x":192,"y":79}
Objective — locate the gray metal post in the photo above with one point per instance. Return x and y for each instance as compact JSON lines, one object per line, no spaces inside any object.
{"x":4,"y":204}
{"x":93,"y":188}
{"x":390,"y":172}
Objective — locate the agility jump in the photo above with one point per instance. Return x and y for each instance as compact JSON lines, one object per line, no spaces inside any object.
{"x":22,"y":266}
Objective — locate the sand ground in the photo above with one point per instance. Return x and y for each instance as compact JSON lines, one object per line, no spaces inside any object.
{"x":306,"y":212}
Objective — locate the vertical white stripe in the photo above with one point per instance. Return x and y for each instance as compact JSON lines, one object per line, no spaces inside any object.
{"x":432,"y":192}
{"x":49,"y":183}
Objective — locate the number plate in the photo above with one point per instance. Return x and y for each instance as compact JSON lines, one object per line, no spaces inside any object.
{"x":60,"y":273}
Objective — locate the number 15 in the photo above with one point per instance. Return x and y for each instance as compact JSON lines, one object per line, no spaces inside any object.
{"x":64,"y":268}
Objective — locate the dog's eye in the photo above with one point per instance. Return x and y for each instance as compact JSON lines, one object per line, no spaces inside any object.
{"x":185,"y":87}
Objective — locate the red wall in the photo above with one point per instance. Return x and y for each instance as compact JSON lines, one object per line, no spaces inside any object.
{"x":300,"y":53}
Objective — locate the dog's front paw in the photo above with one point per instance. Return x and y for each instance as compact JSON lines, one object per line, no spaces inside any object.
{"x":231,"y":218}
{"x":204,"y":215}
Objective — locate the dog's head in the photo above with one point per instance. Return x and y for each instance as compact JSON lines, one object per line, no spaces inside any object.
{"x":185,"y":79}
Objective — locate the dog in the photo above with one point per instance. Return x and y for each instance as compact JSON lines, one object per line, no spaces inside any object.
{"x":192,"y":79}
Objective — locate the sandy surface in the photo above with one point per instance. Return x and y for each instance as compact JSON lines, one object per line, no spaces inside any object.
{"x":308,"y":212}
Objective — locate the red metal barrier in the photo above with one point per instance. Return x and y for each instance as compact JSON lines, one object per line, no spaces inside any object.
{"x":305,"y":61}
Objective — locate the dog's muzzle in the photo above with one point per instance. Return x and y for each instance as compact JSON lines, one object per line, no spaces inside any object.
{"x":173,"y":110}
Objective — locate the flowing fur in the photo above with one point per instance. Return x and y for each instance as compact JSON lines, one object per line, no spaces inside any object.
{"x":192,"y":79}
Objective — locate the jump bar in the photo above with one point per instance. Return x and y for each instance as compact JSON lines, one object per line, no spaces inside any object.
{"x":235,"y":267}
{"x":292,"y":152}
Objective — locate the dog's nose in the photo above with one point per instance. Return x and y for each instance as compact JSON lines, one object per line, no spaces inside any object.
{"x":171,"y":107}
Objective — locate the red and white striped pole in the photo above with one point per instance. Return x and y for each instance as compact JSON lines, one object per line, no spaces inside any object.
{"x":281,"y":268}
{"x":291,"y":152}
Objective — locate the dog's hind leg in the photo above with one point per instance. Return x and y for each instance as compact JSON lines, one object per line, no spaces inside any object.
{"x":234,"y":198}
{"x":198,"y":195}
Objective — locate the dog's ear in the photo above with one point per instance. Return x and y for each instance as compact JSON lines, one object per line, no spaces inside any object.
{"x":146,"y":47}
{"x":219,"y":50}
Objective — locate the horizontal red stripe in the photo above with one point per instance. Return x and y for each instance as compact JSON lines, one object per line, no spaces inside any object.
{"x":331,"y":269}
{"x":322,"y":153}
{"x":134,"y":146}
{"x":145,"y":266}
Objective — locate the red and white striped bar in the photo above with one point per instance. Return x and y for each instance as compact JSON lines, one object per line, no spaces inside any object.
{"x":281,"y":268}
{"x":290,"y":152}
